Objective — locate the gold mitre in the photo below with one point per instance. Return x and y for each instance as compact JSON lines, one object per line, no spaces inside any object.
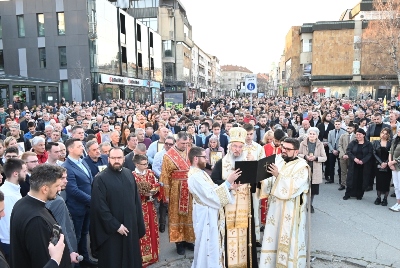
{"x":238,"y":134}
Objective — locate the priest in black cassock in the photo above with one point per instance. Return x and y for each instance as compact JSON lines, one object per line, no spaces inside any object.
{"x":116,"y":217}
{"x":32,"y":224}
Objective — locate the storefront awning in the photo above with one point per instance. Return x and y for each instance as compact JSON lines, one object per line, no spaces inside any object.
{"x":319,"y":90}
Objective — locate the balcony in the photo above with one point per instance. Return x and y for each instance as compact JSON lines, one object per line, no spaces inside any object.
{"x":188,"y":41}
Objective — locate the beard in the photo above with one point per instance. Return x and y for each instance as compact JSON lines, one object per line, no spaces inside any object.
{"x":232,"y":158}
{"x":21,"y":179}
{"x":51,"y":196}
{"x":263,"y":125}
{"x":287,"y":158}
{"x":115,"y":167}
{"x":202,"y":165}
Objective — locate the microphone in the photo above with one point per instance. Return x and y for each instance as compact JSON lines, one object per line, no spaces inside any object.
{"x":79,"y":258}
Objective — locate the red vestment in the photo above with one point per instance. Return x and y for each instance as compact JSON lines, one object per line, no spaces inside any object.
{"x":149,"y":243}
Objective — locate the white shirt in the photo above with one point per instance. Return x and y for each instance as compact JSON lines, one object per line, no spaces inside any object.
{"x":11,"y":196}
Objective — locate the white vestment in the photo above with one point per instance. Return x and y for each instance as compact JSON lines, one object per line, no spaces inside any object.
{"x":284,"y":241}
{"x":257,"y":151}
{"x":209,"y":200}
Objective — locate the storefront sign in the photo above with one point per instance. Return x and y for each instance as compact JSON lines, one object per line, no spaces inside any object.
{"x":119,"y":80}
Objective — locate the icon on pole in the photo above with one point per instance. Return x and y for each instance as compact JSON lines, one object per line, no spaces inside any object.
{"x":251,"y":83}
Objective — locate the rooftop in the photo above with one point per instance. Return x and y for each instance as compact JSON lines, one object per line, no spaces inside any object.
{"x":234,"y":68}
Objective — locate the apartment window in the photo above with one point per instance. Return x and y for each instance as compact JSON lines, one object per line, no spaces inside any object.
{"x":151,"y":40}
{"x":139,"y":32}
{"x":1,"y":61}
{"x":122,"y":23}
{"x":152,"y":64}
{"x":168,"y":48}
{"x":60,"y":23}
{"x":140,"y":60}
{"x":40,"y":24}
{"x":306,"y":45}
{"x":42,"y":57}
{"x":1,"y":30}
{"x":21,"y":26}
{"x":62,"y":53}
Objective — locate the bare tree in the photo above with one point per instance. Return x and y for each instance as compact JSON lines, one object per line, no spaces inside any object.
{"x":80,"y":79}
{"x":381,"y":39}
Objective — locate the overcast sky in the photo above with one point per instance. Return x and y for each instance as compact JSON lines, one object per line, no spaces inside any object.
{"x":252,"y":33}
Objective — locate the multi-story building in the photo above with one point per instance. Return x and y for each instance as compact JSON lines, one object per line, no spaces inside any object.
{"x":330,"y":58}
{"x":93,"y":48}
{"x":232,"y":78}
{"x":169,"y":19}
{"x":215,"y":77}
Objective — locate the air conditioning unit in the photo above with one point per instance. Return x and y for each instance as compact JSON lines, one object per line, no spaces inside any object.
{"x":170,"y":12}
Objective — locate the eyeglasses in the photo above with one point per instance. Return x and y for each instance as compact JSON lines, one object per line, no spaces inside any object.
{"x":11,"y":156}
{"x":145,"y":164}
{"x":201,"y":156}
{"x":287,"y":149}
{"x":169,"y":144}
{"x":116,"y":157}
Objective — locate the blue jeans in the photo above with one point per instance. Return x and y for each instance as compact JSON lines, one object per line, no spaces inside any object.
{"x":81,"y":225}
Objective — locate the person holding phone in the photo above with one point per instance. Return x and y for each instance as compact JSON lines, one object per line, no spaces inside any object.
{"x":32,"y":224}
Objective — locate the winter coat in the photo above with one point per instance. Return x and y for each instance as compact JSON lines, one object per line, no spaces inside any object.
{"x":367,"y":156}
{"x":317,"y":164}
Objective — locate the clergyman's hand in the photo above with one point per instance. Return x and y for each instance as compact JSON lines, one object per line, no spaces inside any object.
{"x":123,"y":230}
{"x":235,"y":186}
{"x":273,"y":169}
{"x":234,"y":175}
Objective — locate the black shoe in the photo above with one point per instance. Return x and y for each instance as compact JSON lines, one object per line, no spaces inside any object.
{"x":346,"y":197}
{"x":378,"y":201}
{"x":384,"y":202}
{"x":262,"y":228}
{"x":161,"y":228}
{"x":341,"y":188}
{"x":359,"y":198}
{"x":369,"y":188}
{"x":88,"y":263}
{"x":312,"y":209}
{"x":180,"y":248}
{"x":328,"y":182}
{"x":189,"y":246}
{"x":393,"y":195}
{"x":258,"y":244}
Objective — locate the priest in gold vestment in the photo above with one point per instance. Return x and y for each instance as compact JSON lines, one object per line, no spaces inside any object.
{"x":241,"y":251}
{"x":284,"y":242}
{"x":175,"y":192}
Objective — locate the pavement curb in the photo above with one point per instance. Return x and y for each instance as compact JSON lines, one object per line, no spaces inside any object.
{"x":331,"y":257}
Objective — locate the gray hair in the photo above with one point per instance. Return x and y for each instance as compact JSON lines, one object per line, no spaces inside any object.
{"x":90,"y":143}
{"x":49,"y":126}
{"x":313,"y":129}
{"x":139,"y":130}
{"x":35,"y":141}
{"x":15,"y":125}
{"x":141,"y":147}
{"x":106,"y":143}
{"x":170,"y":138}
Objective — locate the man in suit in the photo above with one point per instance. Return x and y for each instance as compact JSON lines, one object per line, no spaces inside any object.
{"x":333,"y":144}
{"x":140,"y":149}
{"x":155,"y":146}
{"x":78,"y":192}
{"x":95,"y":160}
{"x":315,"y":120}
{"x":172,"y":125}
{"x":79,"y":133}
{"x":31,"y":161}
{"x":344,"y":141}
{"x":223,"y":140}
{"x":196,"y":139}
{"x":197,"y":125}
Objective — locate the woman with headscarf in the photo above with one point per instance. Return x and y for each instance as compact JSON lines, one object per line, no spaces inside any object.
{"x":313,"y":151}
{"x":360,"y":155}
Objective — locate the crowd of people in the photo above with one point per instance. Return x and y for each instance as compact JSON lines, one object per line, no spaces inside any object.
{"x":121,"y":172}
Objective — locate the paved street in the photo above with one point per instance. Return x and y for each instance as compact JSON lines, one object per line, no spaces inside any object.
{"x":352,"y":233}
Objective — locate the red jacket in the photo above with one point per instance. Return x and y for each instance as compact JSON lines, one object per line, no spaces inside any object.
{"x":270,"y":149}
{"x":42,"y":158}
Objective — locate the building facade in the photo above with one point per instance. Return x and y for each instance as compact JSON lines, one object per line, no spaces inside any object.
{"x":93,"y":48}
{"x":233,"y":79}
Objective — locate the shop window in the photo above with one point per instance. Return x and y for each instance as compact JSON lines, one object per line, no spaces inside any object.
{"x":1,"y":30}
{"x":1,"y":61}
{"x":139,"y":32}
{"x":122,"y":23}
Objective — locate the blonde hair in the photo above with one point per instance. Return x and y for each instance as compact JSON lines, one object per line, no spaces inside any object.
{"x":25,"y":155}
{"x":267,"y":134}
{"x":8,"y":140}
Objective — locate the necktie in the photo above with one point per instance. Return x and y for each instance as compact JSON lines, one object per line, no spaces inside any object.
{"x":336,"y":133}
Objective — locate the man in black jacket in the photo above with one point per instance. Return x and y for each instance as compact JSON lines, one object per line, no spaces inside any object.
{"x":32,"y":224}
